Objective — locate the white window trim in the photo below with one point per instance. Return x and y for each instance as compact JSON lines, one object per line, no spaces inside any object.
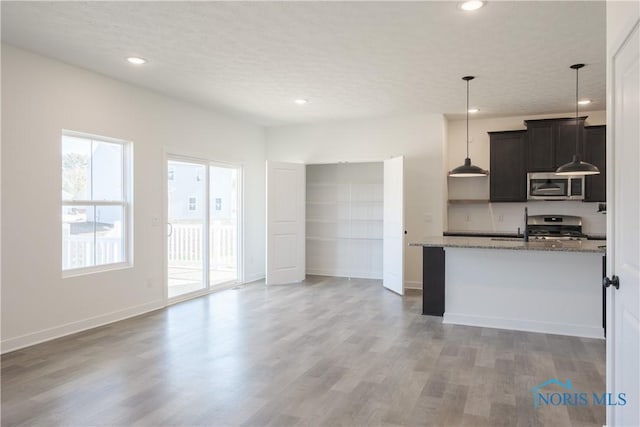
{"x":126,"y":203}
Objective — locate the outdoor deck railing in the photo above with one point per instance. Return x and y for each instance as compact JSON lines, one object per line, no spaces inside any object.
{"x":185,"y":244}
{"x":184,"y":247}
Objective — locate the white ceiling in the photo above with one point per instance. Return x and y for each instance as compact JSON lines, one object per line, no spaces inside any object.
{"x":350,"y":59}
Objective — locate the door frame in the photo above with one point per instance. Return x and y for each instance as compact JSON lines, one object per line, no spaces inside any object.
{"x":618,"y":41}
{"x":381,"y":160}
{"x":240,"y":222}
{"x":169,"y":155}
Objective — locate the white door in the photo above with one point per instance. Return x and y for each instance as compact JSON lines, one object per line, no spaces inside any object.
{"x":623,"y":323}
{"x":393,"y":226}
{"x":285,"y":223}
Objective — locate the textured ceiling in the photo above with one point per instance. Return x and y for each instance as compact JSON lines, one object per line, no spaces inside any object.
{"x":350,"y":59}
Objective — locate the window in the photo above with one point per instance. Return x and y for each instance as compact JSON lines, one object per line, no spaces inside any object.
{"x":95,"y":202}
{"x":193,"y":204}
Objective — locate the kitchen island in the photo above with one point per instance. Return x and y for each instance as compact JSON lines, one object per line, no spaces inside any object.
{"x":550,"y":287}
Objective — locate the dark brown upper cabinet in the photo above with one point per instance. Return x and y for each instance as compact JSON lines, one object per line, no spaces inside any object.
{"x":595,"y":152}
{"x":508,"y":166}
{"x":551,"y":142}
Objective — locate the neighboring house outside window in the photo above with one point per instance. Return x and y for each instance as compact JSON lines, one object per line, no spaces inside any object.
{"x":193,"y":204}
{"x":96,"y":208}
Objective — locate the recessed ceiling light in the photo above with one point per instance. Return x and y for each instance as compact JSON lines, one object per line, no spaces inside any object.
{"x":584,"y":102}
{"x":472,"y":5}
{"x":473,"y":110}
{"x":136,"y":60}
{"x":301,"y":101}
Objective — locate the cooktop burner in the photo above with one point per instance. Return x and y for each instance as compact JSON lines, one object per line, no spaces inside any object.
{"x":555,"y":227}
{"x":552,"y":237}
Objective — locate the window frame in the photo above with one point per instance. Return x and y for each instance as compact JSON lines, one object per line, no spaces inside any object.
{"x":195,"y":204}
{"x":126,"y":203}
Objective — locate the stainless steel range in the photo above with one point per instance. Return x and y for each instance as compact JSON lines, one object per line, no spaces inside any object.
{"x":555,"y":227}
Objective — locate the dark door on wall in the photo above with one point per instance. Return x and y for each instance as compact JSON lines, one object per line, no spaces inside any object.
{"x":595,"y":152}
{"x":552,"y":142}
{"x":508,"y":179}
{"x":565,"y":146}
{"x":540,"y":147}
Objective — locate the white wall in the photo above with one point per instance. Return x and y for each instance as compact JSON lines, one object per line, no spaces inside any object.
{"x":40,"y":97}
{"x":504,"y":217}
{"x":419,"y":138}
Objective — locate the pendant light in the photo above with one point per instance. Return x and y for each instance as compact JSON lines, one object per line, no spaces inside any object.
{"x":467,"y":169}
{"x":577,"y":166}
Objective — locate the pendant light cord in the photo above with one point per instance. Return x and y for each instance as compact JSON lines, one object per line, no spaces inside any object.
{"x":577,"y":131}
{"x":468,"y":119}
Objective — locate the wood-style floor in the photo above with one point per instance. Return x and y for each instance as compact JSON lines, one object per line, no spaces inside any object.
{"x":326,"y":352}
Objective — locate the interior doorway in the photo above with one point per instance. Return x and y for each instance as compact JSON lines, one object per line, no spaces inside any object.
{"x":203,"y":226}
{"x":341,"y":219}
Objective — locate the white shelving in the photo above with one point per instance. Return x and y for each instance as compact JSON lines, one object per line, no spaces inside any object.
{"x":344,"y":219}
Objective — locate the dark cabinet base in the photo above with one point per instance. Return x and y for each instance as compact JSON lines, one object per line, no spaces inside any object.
{"x":433,"y":281}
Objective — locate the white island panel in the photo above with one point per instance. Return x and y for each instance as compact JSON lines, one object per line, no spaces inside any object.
{"x":540,"y":291}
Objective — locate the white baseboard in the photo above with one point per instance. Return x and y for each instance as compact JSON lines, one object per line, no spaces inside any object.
{"x":351,"y":274}
{"x":524,"y":325}
{"x":255,"y":278}
{"x":411,"y":284}
{"x":16,"y":343}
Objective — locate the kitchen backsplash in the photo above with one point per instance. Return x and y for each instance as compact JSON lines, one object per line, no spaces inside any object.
{"x":507,"y":217}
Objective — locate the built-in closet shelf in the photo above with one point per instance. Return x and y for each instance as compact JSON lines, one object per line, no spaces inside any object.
{"x":333,"y":239}
{"x":342,"y":221}
{"x":468,"y":201}
{"x":345,"y":202}
{"x":323,"y":184}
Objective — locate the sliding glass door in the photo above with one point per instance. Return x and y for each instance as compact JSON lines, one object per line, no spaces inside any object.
{"x":223,"y":228}
{"x":187,"y":215}
{"x":203,"y":203}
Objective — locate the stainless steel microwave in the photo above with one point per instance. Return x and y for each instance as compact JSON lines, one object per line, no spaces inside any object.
{"x":549,"y":186}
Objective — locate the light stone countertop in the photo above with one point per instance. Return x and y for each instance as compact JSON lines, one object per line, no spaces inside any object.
{"x":593,"y":246}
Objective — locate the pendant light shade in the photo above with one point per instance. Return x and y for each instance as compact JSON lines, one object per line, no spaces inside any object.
{"x":468,"y":169}
{"x":577,"y":166}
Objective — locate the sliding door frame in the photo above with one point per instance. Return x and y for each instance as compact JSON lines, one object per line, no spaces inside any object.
{"x":207,"y":289}
{"x":239,"y":222}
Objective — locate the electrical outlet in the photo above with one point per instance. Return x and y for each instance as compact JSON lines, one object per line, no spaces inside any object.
{"x":467,"y":218}
{"x":149,"y":283}
{"x":428,"y":218}
{"x":500,"y":218}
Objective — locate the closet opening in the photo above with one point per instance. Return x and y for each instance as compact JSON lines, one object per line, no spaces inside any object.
{"x":344,"y":219}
